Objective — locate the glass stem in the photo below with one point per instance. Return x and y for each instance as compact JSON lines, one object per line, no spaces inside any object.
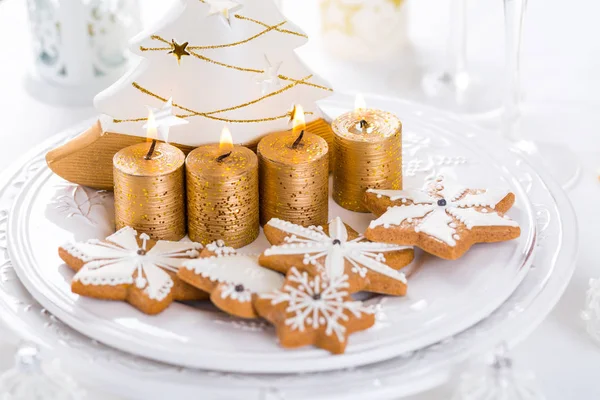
{"x":514,"y":16}
{"x":457,"y":45}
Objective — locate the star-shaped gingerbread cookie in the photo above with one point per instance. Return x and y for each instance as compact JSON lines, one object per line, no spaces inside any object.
{"x":335,"y":250}
{"x":232,"y":279}
{"x":310,"y":310}
{"x":444,"y":219}
{"x":132,"y":268}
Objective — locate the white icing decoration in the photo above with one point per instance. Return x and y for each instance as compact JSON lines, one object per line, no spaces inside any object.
{"x":438,"y":224}
{"x":220,"y":249}
{"x":397,"y":215}
{"x":230,"y":291}
{"x":236,"y":269}
{"x":314,"y":244}
{"x":416,"y":196}
{"x":329,"y":309}
{"x":489,"y":198}
{"x":116,"y":261}
{"x":472,"y":218}
{"x":439,"y":221}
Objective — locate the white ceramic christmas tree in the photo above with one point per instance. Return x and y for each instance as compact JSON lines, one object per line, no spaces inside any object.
{"x":223,"y":62}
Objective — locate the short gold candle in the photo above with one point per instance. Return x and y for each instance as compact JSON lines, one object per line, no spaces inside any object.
{"x":222,"y":195}
{"x":294,"y":180}
{"x":367,"y":147}
{"x":149,"y":193}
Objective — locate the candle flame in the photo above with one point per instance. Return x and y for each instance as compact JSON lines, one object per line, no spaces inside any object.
{"x":226,"y":143}
{"x":299,"y":120}
{"x":360,"y":103}
{"x":151,"y":127}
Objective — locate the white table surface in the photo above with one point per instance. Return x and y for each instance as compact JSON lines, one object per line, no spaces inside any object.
{"x":561,"y":75}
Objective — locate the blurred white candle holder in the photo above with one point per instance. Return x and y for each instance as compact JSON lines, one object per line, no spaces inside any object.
{"x":591,"y":312}
{"x":33,"y":379}
{"x":364,"y":30}
{"x":498,"y":380}
{"x":79,"y":47}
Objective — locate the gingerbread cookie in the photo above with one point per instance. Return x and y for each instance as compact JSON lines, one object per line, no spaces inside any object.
{"x":132,"y":268}
{"x":310,"y":310}
{"x":444,"y":219}
{"x":231,"y":279}
{"x":336,"y":250}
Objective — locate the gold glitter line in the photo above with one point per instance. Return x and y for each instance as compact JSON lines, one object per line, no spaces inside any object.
{"x":160,"y":39}
{"x":251,"y":38}
{"x":211,"y":47}
{"x":142,"y":48}
{"x":156,"y":37}
{"x":257,"y":71}
{"x":303,"y":82}
{"x":267,"y":26}
{"x":210,"y":115}
{"x":275,"y":93}
{"x":210,"y":60}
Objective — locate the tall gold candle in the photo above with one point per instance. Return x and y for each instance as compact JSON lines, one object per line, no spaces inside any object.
{"x":367,"y":147}
{"x":149,"y":190}
{"x":222,"y":187}
{"x":294,"y":176}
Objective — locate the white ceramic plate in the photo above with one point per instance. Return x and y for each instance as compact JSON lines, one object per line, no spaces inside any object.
{"x":100,"y":366}
{"x":445,"y":297}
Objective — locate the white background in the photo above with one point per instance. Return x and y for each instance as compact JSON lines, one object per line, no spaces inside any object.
{"x":561,"y":75}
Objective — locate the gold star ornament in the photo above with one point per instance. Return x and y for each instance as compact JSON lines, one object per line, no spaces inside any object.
{"x":179,"y":50}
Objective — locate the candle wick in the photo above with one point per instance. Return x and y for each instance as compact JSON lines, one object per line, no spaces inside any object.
{"x":364,"y":125}
{"x":223,"y":157}
{"x":298,"y":140}
{"x":150,"y":151}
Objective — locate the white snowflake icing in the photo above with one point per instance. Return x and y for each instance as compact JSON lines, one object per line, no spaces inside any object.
{"x":220,"y":249}
{"x":115,"y":261}
{"x":315,"y":303}
{"x":240,"y":273}
{"x":440,"y":205}
{"x":236,"y":292}
{"x":314,"y":244}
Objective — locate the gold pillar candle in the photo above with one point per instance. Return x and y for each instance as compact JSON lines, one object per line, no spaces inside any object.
{"x":367,"y":147}
{"x":150,"y":193}
{"x":294,"y":177}
{"x":222,"y":187}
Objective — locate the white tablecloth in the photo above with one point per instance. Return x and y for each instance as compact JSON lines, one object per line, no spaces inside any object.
{"x":561,"y":65}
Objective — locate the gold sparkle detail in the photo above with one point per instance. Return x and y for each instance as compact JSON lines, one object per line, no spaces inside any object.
{"x":178,"y":50}
{"x":287,"y":31}
{"x":211,"y":114}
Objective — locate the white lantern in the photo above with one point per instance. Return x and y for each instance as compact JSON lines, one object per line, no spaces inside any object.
{"x":80,"y":46}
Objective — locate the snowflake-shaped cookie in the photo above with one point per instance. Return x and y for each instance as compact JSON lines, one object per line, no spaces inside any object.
{"x":312,"y":310}
{"x":232,"y":279}
{"x":335,"y":250}
{"x":132,"y":268}
{"x":444,"y":219}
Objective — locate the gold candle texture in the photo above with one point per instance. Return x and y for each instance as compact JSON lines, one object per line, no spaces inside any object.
{"x":294,"y":180}
{"x":150,"y":193}
{"x":222,"y":187}
{"x":367,"y":147}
